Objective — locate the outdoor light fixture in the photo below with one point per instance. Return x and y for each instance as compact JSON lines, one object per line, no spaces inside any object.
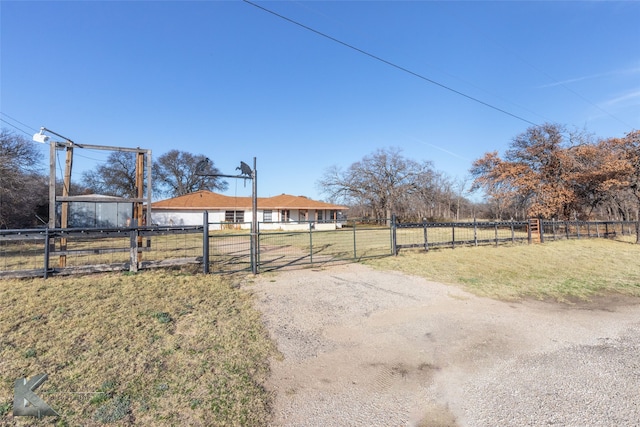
{"x":41,"y":137}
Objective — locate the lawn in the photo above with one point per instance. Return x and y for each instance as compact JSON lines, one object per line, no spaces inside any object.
{"x":158,"y":348}
{"x":170,"y":347}
{"x":562,"y":270}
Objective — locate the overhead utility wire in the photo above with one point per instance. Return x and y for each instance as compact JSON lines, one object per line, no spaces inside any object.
{"x":471,"y":24}
{"x":17,"y":121}
{"x":384,"y":61}
{"x":15,"y":127}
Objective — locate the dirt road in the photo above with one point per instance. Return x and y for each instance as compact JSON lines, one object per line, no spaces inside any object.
{"x":363,"y":347}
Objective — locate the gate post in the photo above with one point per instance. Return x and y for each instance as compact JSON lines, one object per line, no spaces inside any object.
{"x":205,"y":242}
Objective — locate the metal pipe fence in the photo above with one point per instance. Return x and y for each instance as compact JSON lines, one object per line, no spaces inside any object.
{"x":427,"y":235}
{"x":44,"y":252}
{"x":227,"y":247}
{"x":557,"y":230}
{"x":286,"y":244}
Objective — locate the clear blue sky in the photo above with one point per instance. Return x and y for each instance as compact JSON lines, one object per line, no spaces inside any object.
{"x":230,"y":81}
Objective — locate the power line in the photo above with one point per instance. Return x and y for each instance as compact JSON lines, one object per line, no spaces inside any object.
{"x":36,"y":130}
{"x":15,"y":127}
{"x":17,"y":121}
{"x":472,"y":25}
{"x":392,"y":64}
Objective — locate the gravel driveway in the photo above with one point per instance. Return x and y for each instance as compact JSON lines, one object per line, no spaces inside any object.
{"x":362,"y":347}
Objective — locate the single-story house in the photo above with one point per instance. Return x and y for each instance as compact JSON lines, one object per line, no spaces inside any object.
{"x":283,"y":212}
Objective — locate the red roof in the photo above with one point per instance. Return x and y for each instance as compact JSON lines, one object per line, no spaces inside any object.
{"x":208,"y":200}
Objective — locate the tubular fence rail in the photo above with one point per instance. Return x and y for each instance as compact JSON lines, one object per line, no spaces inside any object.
{"x":43,"y":252}
{"x":228,"y":247}
{"x":427,"y":235}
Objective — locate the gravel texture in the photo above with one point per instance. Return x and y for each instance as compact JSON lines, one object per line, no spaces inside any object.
{"x":361,"y":347}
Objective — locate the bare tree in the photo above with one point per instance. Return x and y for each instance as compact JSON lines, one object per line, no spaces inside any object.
{"x":23,"y":191}
{"x":382,"y":182}
{"x":117,"y":177}
{"x":175,"y":174}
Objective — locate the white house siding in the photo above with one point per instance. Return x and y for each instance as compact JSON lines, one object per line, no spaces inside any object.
{"x":297,"y":219}
{"x":183,"y":217}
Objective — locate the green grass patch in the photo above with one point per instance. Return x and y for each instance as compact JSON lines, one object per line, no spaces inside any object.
{"x":563,"y":270}
{"x":156,"y":348}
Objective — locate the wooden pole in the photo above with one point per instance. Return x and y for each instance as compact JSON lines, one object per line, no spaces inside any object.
{"x":64,"y":218}
{"x":52,"y":185}
{"x":139,"y":194}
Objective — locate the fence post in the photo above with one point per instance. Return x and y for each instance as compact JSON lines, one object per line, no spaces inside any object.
{"x":566,"y":229}
{"x":355,"y":253}
{"x":529,"y":231}
{"x":554,"y":230}
{"x":578,"y":229}
{"x":475,"y":232}
{"x":133,"y":247}
{"x":205,"y":242}
{"x":46,"y":253}
{"x":541,"y":230}
{"x":513,"y":233}
{"x":496,"y":233}
{"x":310,"y":242}
{"x":453,"y":235}
{"x":253,"y":244}
{"x":426,"y":236}
{"x":394,"y":236}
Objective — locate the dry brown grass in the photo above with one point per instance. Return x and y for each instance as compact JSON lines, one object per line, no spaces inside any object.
{"x":563,"y":270}
{"x":159,"y":348}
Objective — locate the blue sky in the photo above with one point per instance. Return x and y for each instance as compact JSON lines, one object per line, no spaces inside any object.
{"x":231,"y":81}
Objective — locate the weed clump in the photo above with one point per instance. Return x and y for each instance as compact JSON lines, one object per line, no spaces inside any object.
{"x":113,"y":410}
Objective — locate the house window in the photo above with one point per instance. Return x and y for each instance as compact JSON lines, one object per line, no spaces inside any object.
{"x":285,"y":215}
{"x":234,"y":216}
{"x":267,"y":216}
{"x":319,"y":216}
{"x":333,"y":215}
{"x":302,"y":215}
